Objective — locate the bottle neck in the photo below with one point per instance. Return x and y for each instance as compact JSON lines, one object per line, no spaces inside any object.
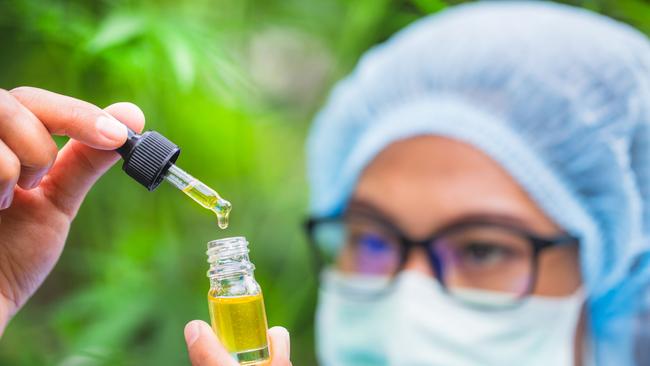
{"x":231,"y":271}
{"x":228,"y":259}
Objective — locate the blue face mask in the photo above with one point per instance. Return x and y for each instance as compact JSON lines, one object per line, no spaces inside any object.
{"x":417,"y":324}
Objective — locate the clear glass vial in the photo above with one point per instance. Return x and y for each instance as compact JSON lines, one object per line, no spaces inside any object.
{"x":235,"y":300}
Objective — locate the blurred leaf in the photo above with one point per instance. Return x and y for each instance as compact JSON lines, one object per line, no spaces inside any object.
{"x":182,"y":61}
{"x":116,"y":30}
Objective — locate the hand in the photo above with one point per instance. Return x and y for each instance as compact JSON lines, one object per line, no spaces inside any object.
{"x":41,"y":188}
{"x":206,"y":350}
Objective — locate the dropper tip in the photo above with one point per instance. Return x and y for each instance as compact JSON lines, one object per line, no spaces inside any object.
{"x":223,"y":206}
{"x":222,"y":209}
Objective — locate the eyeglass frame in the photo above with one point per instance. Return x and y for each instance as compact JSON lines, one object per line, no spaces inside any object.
{"x":406,"y":244}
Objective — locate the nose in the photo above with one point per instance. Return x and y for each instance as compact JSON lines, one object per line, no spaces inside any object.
{"x":418,"y":261}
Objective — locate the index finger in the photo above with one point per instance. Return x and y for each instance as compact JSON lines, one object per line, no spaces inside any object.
{"x":82,"y":121}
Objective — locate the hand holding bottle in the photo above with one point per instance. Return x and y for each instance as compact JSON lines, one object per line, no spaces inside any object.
{"x":41,"y":188}
{"x":205,"y":349}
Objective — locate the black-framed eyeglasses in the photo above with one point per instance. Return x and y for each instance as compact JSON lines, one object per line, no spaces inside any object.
{"x":484,"y":261}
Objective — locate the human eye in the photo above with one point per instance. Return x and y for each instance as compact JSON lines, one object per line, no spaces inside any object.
{"x":485,"y":254}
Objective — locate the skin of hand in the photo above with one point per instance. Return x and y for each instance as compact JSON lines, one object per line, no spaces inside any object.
{"x":41,"y":188}
{"x":205,"y":349}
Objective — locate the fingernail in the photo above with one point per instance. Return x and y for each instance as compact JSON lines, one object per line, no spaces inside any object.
{"x":111,"y":128}
{"x":35,"y":183}
{"x":192,"y":332}
{"x":288,"y":336}
{"x":6,"y":202}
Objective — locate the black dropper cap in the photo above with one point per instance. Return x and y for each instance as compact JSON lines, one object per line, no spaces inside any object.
{"x":147,"y":157}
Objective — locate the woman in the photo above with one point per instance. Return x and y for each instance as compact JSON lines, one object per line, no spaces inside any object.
{"x":480,"y":194}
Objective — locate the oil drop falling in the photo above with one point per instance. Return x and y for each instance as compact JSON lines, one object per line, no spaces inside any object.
{"x":222,"y":210}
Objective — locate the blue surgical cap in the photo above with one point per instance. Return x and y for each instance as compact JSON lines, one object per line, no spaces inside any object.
{"x":558,"y":96}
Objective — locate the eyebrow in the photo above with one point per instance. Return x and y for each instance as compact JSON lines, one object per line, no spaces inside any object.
{"x":473,"y":217}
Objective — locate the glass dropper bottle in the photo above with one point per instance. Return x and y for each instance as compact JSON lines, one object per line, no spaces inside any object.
{"x":150,"y":158}
{"x":236,"y":303}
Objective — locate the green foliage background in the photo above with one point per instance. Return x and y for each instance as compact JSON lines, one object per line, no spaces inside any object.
{"x":235,"y":84}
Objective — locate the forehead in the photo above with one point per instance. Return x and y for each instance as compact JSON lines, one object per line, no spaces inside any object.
{"x":424,"y":182}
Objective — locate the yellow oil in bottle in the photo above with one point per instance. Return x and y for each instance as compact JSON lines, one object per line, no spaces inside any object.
{"x":208,"y":198}
{"x":240,"y":323}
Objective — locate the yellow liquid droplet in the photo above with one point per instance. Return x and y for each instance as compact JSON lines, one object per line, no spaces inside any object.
{"x":222,"y":210}
{"x":208,"y":198}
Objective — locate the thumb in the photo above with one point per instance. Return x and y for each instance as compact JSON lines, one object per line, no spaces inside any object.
{"x":280,"y":346}
{"x":203,"y":346}
{"x":78,"y":166}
